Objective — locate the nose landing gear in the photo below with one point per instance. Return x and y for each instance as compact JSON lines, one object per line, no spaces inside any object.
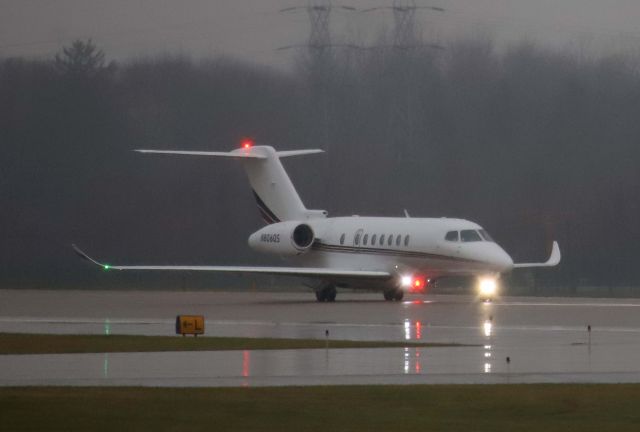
{"x":326,"y":294}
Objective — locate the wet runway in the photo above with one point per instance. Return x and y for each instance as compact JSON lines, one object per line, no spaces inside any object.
{"x":546,"y":340}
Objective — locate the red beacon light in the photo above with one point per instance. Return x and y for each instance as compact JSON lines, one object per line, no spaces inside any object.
{"x":247,"y":144}
{"x":418,"y":284}
{"x":415,"y":284}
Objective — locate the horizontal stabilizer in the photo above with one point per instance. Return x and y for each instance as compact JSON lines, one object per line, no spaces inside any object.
{"x":282,"y":271}
{"x":276,"y":196}
{"x":234,"y":154}
{"x":241,"y":153}
{"x":554,"y":259}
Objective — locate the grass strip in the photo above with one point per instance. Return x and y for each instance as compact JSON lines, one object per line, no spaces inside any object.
{"x":19,"y":343}
{"x":495,"y":408}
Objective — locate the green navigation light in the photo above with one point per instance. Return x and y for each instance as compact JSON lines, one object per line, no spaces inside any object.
{"x":107,"y":266}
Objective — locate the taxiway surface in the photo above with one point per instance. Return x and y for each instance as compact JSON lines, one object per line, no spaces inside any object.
{"x":545,"y":339}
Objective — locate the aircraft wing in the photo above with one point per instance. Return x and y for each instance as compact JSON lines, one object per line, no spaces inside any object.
{"x":554,"y":259}
{"x":283,"y":271}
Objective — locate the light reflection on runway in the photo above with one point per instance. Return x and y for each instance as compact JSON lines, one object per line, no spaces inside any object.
{"x":545,"y":341}
{"x":335,"y":366}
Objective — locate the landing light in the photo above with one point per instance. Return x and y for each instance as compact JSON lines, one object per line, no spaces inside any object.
{"x":488,"y":287}
{"x":406,"y":281}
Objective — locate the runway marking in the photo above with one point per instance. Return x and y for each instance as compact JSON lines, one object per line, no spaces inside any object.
{"x":568,"y":304}
{"x":426,"y":326}
{"x":82,"y":320}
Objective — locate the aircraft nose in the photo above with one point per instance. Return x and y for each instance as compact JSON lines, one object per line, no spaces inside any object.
{"x":497,"y":258}
{"x":503,"y":260}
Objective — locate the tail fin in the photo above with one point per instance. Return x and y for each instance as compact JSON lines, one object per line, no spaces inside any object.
{"x":276,"y":196}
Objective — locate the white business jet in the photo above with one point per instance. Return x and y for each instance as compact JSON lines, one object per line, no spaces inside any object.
{"x":393,"y":255}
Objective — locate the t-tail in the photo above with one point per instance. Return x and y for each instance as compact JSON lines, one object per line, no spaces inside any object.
{"x":277,"y":198}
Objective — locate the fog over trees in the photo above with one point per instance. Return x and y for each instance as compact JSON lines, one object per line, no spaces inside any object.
{"x":533,"y":144}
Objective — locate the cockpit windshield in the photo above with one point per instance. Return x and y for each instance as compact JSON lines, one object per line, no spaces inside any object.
{"x":470,"y":236}
{"x":485,"y":235}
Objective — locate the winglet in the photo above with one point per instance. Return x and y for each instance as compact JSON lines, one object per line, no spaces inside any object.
{"x":83,"y":255}
{"x":554,"y":259}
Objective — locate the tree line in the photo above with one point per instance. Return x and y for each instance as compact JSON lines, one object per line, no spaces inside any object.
{"x":531,"y":143}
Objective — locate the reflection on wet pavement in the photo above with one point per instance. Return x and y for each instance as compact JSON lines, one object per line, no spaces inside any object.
{"x":544,"y":341}
{"x":335,"y":366}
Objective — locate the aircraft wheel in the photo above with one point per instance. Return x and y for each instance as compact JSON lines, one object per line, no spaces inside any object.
{"x":326,"y":294}
{"x":398,"y":295}
{"x":388,"y":295}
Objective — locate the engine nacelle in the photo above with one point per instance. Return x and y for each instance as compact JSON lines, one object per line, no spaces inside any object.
{"x":283,"y":238}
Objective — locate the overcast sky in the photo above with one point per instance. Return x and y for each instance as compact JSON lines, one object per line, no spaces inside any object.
{"x":253,"y":29}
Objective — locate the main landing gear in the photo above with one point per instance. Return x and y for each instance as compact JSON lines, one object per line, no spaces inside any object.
{"x":393,"y":294}
{"x":326,"y":294}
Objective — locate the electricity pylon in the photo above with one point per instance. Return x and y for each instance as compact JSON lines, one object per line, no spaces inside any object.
{"x":406,"y":39}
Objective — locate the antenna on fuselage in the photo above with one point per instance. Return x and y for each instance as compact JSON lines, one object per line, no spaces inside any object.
{"x":406,"y":213}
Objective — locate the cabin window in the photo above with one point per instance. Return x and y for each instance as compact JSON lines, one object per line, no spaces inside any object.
{"x":398,"y":239}
{"x":470,"y":236}
{"x":406,"y":240}
{"x":342,"y":239}
{"x":390,"y":240}
{"x":451,"y":236}
{"x":365,"y":240}
{"x":485,"y":235}
{"x":373,"y":240}
{"x":382,"y":240}
{"x":356,"y":239}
